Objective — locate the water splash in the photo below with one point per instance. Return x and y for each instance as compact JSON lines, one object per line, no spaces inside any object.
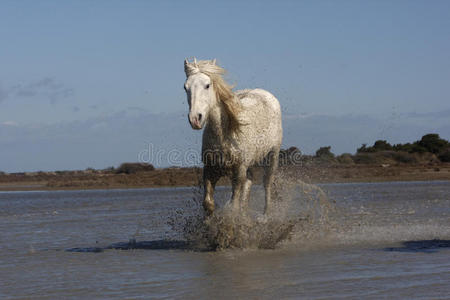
{"x":300,"y":210}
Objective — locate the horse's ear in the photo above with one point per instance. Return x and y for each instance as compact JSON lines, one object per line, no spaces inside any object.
{"x":195,"y":61}
{"x":186,"y":66}
{"x":214,"y":61}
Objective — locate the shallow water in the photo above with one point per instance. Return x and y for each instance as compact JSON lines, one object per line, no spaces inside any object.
{"x":360,"y":254}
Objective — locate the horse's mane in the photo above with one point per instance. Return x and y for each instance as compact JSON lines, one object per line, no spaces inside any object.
{"x":224,"y":91}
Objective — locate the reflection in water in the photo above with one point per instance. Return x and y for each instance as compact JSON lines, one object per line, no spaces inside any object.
{"x":427,"y":246}
{"x":143,"y":245}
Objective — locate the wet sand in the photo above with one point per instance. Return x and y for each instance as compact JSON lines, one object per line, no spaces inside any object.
{"x":177,"y":177}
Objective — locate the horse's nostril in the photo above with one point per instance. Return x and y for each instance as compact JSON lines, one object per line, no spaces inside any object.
{"x":199,"y":117}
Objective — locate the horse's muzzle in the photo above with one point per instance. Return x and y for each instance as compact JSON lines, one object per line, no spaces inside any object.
{"x":195,"y":121}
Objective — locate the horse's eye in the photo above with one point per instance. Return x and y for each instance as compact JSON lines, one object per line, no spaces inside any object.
{"x":207,"y":86}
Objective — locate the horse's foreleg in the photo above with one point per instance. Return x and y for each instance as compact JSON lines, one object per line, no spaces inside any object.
{"x":269,"y":171}
{"x":246,"y":191}
{"x":239,"y":178}
{"x":210,"y":178}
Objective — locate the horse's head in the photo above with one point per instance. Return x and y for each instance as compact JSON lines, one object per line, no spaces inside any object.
{"x":200,"y":92}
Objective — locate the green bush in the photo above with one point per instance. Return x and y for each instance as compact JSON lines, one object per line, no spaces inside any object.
{"x":324,"y":155}
{"x":417,"y":148}
{"x":324,"y":152}
{"x":109,"y":170}
{"x":345,"y":158}
{"x":382,"y":145}
{"x":429,"y":143}
{"x":291,"y":156}
{"x":433,"y":143}
{"x":404,"y":157}
{"x":132,"y":168}
{"x":366,"y":158}
{"x":444,"y":156}
{"x":365,"y":149}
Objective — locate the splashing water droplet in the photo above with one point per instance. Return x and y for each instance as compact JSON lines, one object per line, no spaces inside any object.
{"x":300,"y":210}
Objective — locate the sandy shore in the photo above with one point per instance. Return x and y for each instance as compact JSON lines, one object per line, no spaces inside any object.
{"x":174,"y":177}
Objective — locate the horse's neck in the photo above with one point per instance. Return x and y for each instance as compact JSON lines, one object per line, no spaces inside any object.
{"x":219,"y":121}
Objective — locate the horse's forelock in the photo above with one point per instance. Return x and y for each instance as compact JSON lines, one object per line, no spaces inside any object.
{"x":190,"y":68}
{"x":208,"y":67}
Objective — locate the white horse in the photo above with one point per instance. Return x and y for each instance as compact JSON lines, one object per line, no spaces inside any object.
{"x":242,"y":129}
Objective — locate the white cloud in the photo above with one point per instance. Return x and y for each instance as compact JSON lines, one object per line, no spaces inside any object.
{"x":9,"y":123}
{"x":47,"y":88}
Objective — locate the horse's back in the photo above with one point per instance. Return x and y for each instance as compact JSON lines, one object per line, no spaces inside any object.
{"x":261,"y":116}
{"x":260,"y":108}
{"x":253,"y":98}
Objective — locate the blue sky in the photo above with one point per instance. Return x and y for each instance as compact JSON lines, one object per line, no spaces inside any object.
{"x":91,"y":83}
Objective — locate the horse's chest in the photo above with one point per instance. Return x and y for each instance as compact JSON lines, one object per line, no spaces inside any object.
{"x":219,"y":153}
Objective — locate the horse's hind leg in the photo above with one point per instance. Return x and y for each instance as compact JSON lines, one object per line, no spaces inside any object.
{"x":210,"y":178}
{"x":269,"y":170}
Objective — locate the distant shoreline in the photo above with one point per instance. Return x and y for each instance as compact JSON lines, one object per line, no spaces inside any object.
{"x":185,"y":177}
